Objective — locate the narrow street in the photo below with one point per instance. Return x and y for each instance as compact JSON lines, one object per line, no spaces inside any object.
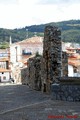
{"x":19,"y":102}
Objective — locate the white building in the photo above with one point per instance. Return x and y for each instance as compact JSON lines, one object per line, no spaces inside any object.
{"x":74,"y":69}
{"x":65,"y":45}
{"x":24,"y":49}
{"x":21,"y":51}
{"x":70,"y":71}
{"x":4,"y":75}
{"x":4,"y":65}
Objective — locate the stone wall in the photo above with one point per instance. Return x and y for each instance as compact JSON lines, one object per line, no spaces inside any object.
{"x":49,"y":73}
{"x":64,"y":64}
{"x":16,"y":74}
{"x":52,"y":55}
{"x":24,"y":76}
{"x":68,"y":89}
{"x":20,"y":75}
{"x":34,"y":77}
{"x":67,"y":79}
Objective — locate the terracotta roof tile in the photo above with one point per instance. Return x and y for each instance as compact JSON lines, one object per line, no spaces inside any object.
{"x":4,"y":70}
{"x":33,"y":40}
{"x":4,"y":59}
{"x":75,"y":63}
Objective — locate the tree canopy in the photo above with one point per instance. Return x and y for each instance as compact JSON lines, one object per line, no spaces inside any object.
{"x":70,"y":32}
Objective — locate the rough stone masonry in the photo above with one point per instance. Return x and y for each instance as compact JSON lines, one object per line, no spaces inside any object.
{"x":34,"y":73}
{"x":49,"y":73}
{"x":52,"y":56}
{"x":51,"y":65}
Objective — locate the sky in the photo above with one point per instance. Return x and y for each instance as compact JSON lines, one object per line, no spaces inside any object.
{"x":21,"y":13}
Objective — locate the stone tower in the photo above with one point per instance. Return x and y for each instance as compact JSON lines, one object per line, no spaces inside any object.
{"x":52,"y":55}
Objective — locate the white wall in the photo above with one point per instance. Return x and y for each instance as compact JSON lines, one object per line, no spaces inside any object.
{"x":5,"y":74}
{"x":65,"y":45}
{"x":70,"y":71}
{"x":13,"y":53}
{"x":32,"y":48}
{"x":29,"y":47}
{"x":78,"y":72}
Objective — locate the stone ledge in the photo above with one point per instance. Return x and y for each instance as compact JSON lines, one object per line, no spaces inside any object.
{"x":66,"y":92}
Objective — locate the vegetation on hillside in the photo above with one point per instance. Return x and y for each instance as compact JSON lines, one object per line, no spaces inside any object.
{"x":70,"y":32}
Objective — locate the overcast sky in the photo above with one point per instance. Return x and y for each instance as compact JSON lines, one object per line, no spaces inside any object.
{"x":21,"y":13}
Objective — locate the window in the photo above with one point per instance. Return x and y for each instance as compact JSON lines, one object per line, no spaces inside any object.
{"x":4,"y":77}
{"x":2,"y":64}
{"x":26,"y":52}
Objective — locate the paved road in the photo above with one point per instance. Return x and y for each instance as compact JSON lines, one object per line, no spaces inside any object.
{"x":18,"y":102}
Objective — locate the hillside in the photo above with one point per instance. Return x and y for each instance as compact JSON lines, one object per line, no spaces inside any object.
{"x":70,"y":31}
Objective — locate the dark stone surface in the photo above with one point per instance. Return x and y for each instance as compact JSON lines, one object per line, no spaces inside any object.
{"x":52,"y":55}
{"x":70,"y":92}
{"x":34,"y":70}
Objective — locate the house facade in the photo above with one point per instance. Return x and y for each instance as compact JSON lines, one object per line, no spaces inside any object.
{"x":5,"y":71}
{"x":4,"y":75}
{"x":21,"y":51}
{"x":24,"y":49}
{"x":74,"y":65}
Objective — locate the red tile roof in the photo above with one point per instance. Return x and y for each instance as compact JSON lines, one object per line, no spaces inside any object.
{"x":75,"y":63}
{"x":4,"y":70}
{"x":4,"y":59}
{"x":32,"y":40}
{"x":74,"y":56}
{"x":71,"y":48}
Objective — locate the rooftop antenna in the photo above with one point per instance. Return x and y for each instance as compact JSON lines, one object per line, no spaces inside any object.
{"x":27,"y":33}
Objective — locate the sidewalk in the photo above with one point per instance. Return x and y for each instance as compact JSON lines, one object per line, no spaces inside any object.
{"x":8,"y":83}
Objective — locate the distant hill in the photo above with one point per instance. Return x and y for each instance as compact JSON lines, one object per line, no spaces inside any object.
{"x":70,"y":31}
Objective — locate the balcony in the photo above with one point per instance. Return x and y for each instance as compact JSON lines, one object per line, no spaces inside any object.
{"x":26,"y":52}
